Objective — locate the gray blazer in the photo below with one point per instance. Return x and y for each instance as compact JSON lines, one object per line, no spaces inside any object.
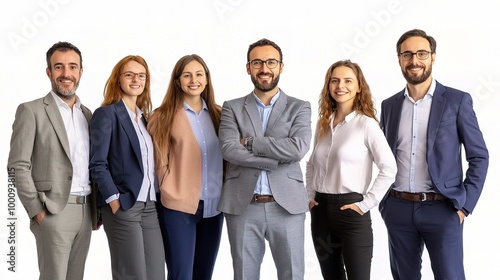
{"x":40,"y":157}
{"x":278,"y":150}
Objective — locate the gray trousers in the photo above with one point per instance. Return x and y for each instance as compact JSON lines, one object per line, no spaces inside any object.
{"x":284,"y":232}
{"x":135,"y":242}
{"x":62,"y":242}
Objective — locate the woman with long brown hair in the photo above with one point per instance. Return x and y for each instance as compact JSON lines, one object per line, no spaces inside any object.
{"x":189,"y":167}
{"x":338,"y":174}
{"x":122,"y":166}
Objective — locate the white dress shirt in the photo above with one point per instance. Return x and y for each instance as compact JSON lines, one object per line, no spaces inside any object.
{"x":77,"y":129}
{"x":342,"y":161}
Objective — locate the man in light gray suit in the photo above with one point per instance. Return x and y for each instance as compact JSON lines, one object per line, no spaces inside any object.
{"x":49,"y":155}
{"x":264,"y":136}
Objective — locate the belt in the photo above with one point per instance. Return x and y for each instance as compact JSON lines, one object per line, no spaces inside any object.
{"x":262,"y":198}
{"x":77,"y":199}
{"x":418,"y":197}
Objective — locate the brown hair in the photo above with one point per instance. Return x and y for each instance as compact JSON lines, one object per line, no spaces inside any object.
{"x":160,"y":126}
{"x":416,"y":33}
{"x":363,"y":102}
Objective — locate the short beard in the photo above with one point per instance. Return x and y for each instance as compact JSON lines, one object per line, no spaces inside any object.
{"x":62,"y":93}
{"x":272,"y":85}
{"x":418,"y":80}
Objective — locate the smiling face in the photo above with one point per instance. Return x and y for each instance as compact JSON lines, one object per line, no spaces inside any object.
{"x":193,"y":79}
{"x":344,"y":86}
{"x":130,"y":83}
{"x":64,"y":73}
{"x":416,"y":71}
{"x":263,"y":78}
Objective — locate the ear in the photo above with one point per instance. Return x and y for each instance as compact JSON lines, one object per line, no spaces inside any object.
{"x":177,"y":83}
{"x":281,"y":67}
{"x":49,"y":74}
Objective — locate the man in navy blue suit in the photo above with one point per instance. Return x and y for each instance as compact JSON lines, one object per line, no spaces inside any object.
{"x":426,"y":125}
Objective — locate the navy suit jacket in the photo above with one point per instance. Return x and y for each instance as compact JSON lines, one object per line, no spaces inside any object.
{"x":115,"y":155}
{"x":452,"y":123}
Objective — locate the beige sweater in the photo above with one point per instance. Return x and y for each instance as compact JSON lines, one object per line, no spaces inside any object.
{"x":180,"y":178}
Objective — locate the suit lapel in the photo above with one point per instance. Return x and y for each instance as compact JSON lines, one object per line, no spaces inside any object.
{"x":126,"y":123}
{"x":57,"y":122}
{"x":253,"y":114}
{"x":437,"y":108}
{"x":393,"y":120}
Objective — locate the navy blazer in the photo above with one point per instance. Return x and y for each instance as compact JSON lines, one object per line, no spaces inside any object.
{"x":115,"y":155}
{"x":452,"y":123}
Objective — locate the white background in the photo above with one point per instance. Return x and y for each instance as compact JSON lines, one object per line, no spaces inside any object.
{"x":312,"y":35}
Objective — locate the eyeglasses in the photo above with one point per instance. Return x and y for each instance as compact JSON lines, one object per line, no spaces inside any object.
{"x":421,"y":54}
{"x":270,"y":63}
{"x":130,"y":75}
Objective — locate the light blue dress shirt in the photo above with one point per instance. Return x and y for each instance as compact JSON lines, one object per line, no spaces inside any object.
{"x":211,"y":158}
{"x":263,"y":187}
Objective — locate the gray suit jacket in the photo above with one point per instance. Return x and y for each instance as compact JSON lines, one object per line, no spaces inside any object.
{"x":278,"y":150}
{"x":40,"y":157}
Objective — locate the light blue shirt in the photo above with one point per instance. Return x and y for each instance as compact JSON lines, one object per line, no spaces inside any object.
{"x":211,"y":158}
{"x":263,"y":187}
{"x":411,"y":151}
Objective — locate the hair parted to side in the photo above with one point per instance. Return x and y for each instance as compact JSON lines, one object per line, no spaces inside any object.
{"x":113,"y":92}
{"x":62,"y":47}
{"x":416,"y":33}
{"x":363,"y":102}
{"x":264,"y":42}
{"x":162,"y":118}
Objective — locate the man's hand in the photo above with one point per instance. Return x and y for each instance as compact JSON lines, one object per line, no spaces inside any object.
{"x":40,"y":216}
{"x":461,"y":214}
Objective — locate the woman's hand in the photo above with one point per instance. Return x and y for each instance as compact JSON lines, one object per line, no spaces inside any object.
{"x":115,"y":205}
{"x":352,"y":207}
{"x":312,"y":203}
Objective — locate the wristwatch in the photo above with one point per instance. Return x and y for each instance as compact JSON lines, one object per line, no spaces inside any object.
{"x":248,"y":143}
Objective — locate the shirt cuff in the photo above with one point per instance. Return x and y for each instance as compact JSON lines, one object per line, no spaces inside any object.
{"x":113,"y":197}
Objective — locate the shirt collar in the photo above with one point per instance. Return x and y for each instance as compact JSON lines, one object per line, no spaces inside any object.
{"x":430,"y":91}
{"x":61,"y":102}
{"x":351,"y":116}
{"x":188,"y":108}
{"x":138,"y":111}
{"x":273,"y":100}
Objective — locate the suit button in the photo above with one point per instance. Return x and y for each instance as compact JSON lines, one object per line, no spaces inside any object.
{"x":70,"y":178}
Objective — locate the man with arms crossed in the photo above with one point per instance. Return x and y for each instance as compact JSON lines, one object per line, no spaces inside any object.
{"x":49,"y":153}
{"x":426,"y":125}
{"x":264,"y":135}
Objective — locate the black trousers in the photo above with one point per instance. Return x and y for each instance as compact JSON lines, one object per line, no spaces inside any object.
{"x":343,"y":239}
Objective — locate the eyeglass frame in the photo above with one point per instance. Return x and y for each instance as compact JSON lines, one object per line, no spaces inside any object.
{"x":135,"y":74}
{"x":414,"y":54}
{"x":264,"y":62}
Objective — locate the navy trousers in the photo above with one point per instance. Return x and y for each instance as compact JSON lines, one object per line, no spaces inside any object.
{"x":191,"y":243}
{"x":435,"y":224}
